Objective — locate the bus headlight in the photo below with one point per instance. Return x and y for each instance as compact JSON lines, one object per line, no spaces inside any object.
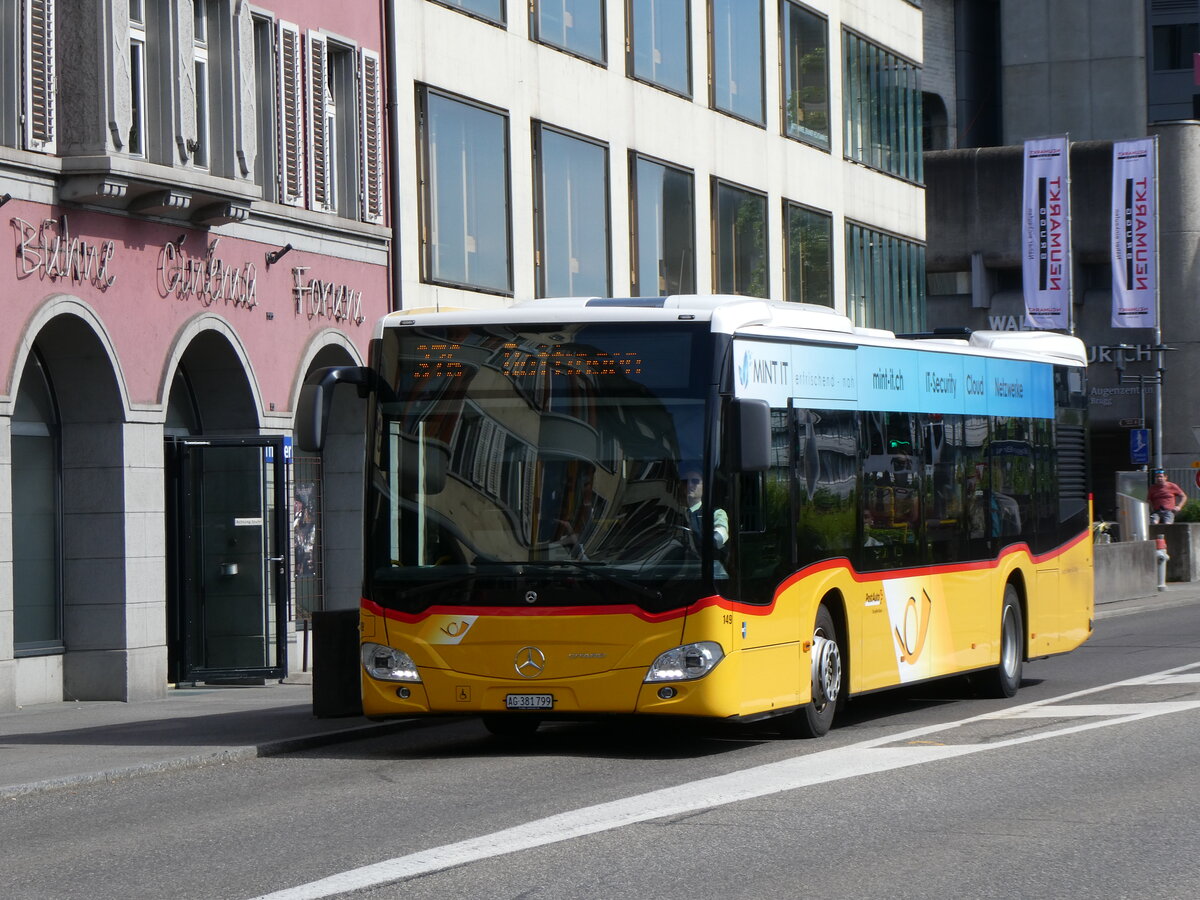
{"x":686,"y":663}
{"x":388,"y":663}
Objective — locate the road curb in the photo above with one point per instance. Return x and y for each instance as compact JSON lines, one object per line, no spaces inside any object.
{"x":1164,"y":600}
{"x":199,"y":760}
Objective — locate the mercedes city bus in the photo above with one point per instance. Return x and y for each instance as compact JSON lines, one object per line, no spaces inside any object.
{"x":713,"y":507}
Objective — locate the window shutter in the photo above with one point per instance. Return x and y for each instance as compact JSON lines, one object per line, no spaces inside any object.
{"x":40,"y":89}
{"x":318,"y":138}
{"x":370,"y":137}
{"x":291,"y":101}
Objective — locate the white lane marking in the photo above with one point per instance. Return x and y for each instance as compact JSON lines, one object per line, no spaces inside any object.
{"x":1188,"y":678}
{"x":868,"y":757}
{"x":1103,"y":709}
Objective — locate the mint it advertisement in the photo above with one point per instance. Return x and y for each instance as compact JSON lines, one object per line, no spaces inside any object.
{"x":891,"y":380}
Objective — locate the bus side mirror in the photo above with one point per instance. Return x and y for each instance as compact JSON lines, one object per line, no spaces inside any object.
{"x":316,"y":401}
{"x":751,"y":422}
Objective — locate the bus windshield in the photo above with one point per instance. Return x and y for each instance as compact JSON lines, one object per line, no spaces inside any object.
{"x":549,"y":464}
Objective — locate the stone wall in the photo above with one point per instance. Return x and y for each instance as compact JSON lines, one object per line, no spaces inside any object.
{"x":1125,"y":570}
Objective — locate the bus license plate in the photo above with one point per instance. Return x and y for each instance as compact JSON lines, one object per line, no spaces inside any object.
{"x":529,"y":701}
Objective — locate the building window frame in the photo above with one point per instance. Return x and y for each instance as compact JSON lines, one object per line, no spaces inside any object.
{"x":885,"y":279}
{"x":881,"y":108}
{"x":641,"y":45}
{"x":550,"y":268}
{"x":725,"y":59}
{"x":465,"y":241}
{"x":795,"y":80}
{"x":1172,"y":45}
{"x":547,"y":15}
{"x":641,"y":165}
{"x":136,"y":139}
{"x":266,"y":97}
{"x":200,"y":151}
{"x":476,"y":10}
{"x":808,"y":256}
{"x":739,"y":267}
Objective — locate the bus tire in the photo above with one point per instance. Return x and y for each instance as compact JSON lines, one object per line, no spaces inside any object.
{"x":1004,"y":680}
{"x":815,"y":718}
{"x":512,"y":726}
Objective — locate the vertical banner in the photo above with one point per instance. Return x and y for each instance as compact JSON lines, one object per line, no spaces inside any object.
{"x":1046,"y":221}
{"x":1134,"y":234}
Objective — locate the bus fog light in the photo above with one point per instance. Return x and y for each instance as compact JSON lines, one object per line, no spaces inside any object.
{"x":666,"y":693}
{"x":388,"y":663}
{"x":403,"y":693}
{"x":686,"y":663}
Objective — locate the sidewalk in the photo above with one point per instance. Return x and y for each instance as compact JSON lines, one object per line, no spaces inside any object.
{"x":58,"y":745}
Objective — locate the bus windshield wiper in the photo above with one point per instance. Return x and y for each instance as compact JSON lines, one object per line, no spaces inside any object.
{"x":598,"y":568}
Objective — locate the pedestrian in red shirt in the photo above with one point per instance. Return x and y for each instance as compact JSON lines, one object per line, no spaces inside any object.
{"x":1165,"y":498}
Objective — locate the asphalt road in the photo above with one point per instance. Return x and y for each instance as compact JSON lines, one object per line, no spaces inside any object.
{"x":1079,"y":787}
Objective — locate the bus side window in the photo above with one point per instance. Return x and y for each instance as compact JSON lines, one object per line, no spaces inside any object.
{"x":826,"y":483}
{"x":891,"y":479}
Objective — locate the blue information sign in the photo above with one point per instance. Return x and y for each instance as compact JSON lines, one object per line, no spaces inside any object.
{"x":1139,"y":446}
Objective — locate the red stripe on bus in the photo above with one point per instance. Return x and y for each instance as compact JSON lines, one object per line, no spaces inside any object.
{"x":629,"y":609}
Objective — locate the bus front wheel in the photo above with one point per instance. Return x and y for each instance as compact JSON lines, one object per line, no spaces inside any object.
{"x":1004,"y":680}
{"x":815,"y":718}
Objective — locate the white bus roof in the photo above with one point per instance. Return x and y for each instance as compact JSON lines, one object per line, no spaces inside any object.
{"x":746,"y":317}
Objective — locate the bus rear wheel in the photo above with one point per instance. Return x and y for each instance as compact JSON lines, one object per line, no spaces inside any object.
{"x":1004,"y":680}
{"x":815,"y":717}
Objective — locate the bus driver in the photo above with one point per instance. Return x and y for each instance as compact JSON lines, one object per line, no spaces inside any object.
{"x":695,"y":503}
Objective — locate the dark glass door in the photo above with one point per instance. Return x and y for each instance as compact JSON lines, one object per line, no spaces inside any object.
{"x":228,"y":602}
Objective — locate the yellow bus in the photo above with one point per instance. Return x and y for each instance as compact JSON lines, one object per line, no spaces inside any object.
{"x":708,"y":506}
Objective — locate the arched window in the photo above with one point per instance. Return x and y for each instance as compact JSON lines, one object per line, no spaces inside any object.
{"x":37,"y":514}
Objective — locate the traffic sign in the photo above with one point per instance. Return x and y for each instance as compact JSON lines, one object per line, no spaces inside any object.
{"x":1139,"y":446}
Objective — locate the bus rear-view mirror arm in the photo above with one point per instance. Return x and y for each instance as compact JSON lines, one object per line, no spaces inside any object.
{"x":316,"y":401}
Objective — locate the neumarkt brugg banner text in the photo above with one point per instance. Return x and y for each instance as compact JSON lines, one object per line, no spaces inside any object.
{"x":1135,"y":234}
{"x":1046,"y":226}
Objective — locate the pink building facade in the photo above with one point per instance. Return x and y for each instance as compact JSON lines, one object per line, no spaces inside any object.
{"x":193,"y":201}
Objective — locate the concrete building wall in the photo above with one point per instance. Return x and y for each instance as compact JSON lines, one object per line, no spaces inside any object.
{"x":1075,"y":67}
{"x":938,"y":74}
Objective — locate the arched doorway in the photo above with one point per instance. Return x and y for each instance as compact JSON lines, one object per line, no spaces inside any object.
{"x":86,"y":577}
{"x":226,"y":488}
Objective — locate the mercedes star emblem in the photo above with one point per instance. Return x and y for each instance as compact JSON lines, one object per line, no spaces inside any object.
{"x":530,"y":662}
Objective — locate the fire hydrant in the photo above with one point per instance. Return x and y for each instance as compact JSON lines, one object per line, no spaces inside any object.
{"x":1160,"y":554}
